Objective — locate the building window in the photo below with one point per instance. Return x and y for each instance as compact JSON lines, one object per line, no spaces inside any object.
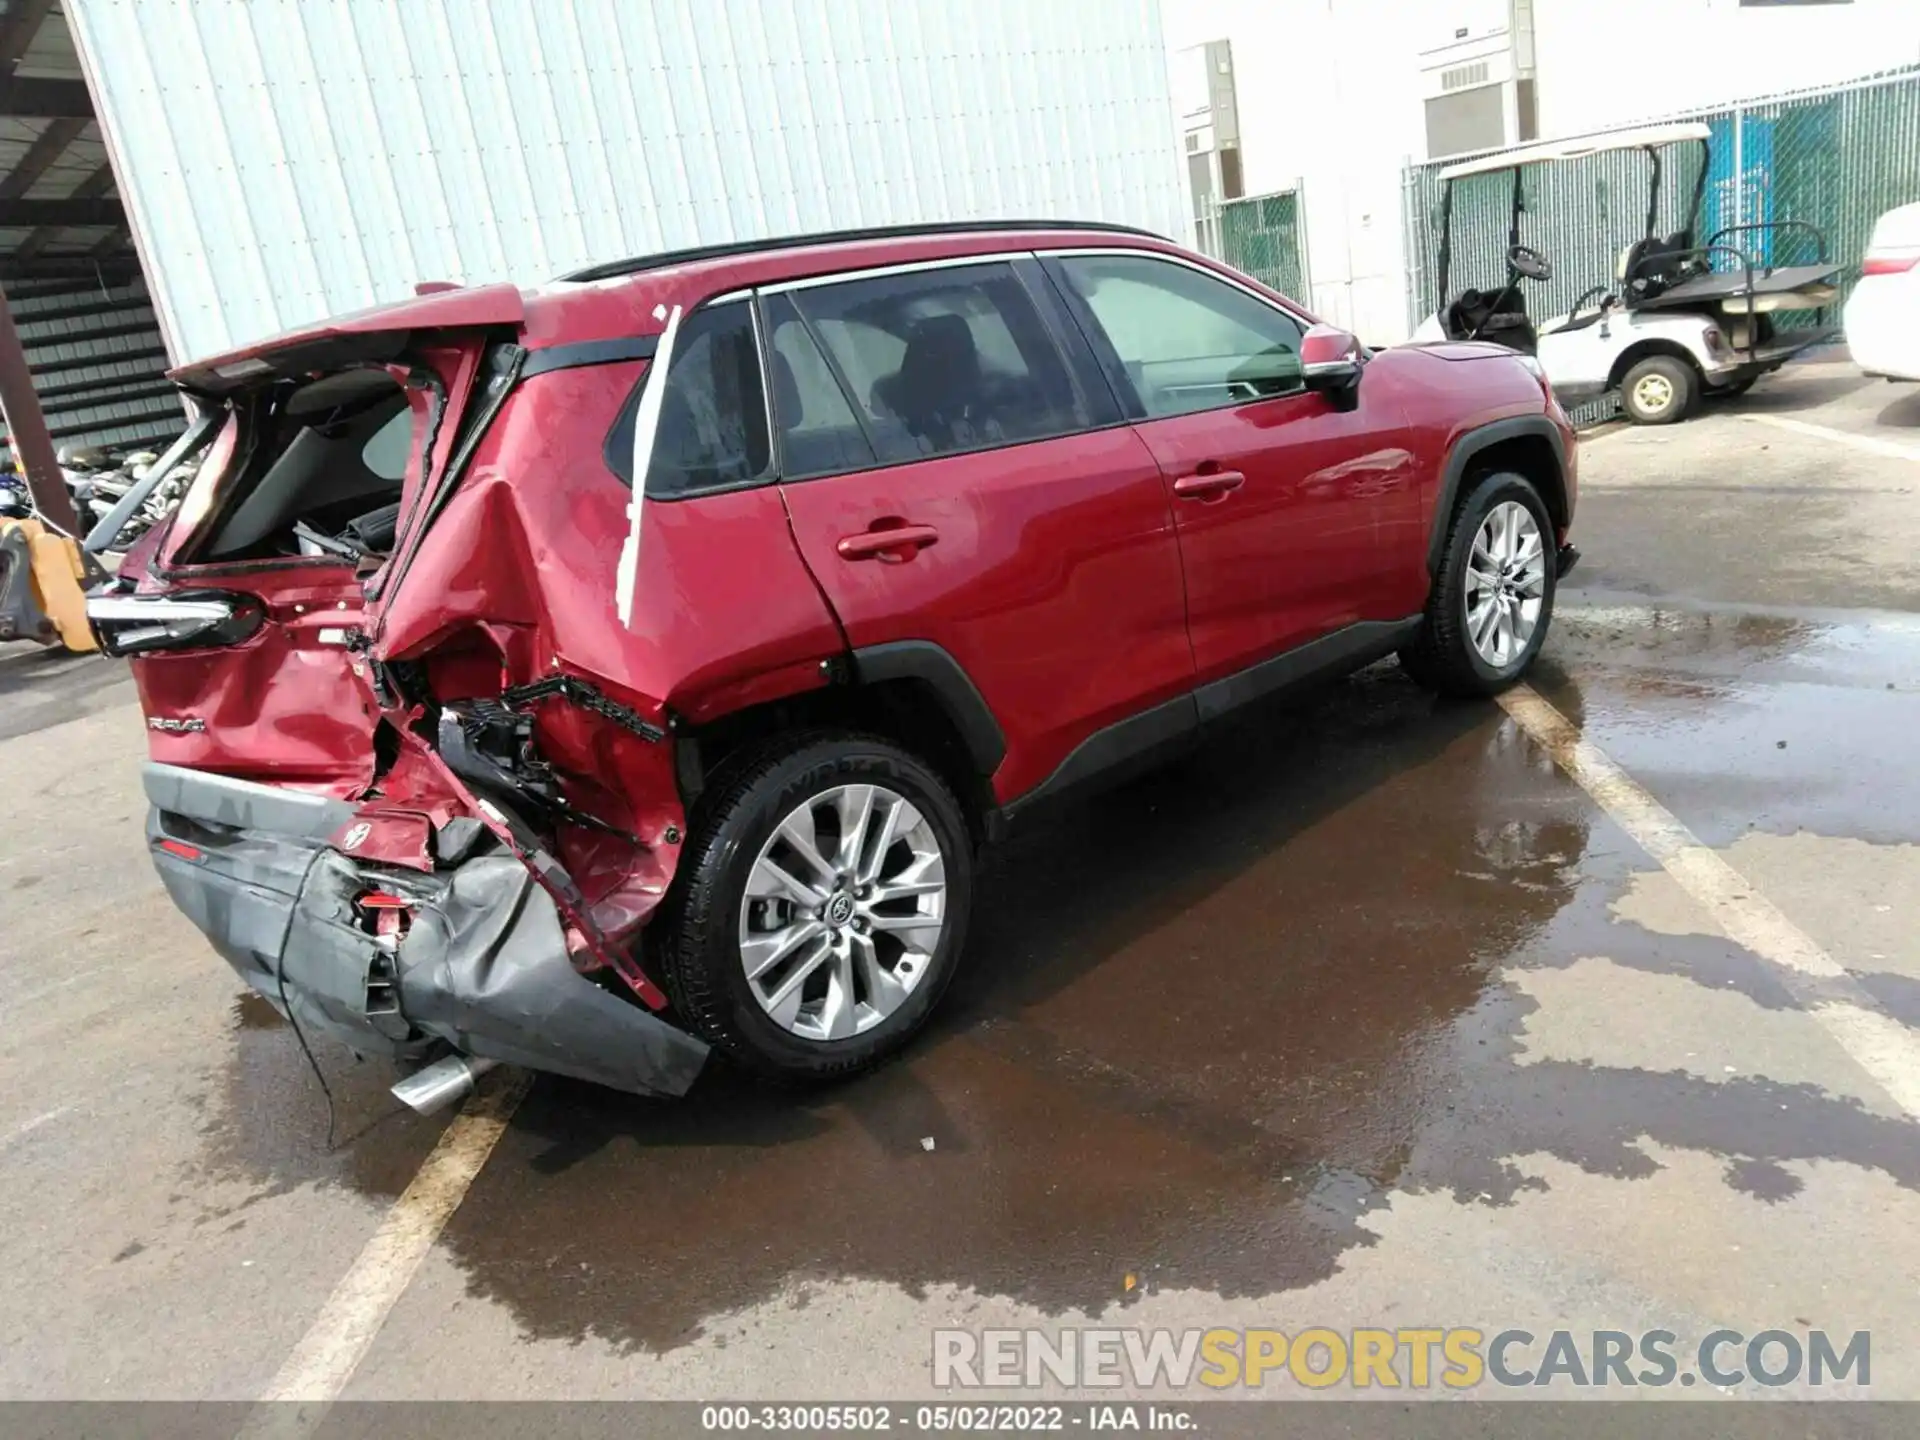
{"x":1232,"y":187}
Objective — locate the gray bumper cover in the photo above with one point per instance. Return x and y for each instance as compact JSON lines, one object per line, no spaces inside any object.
{"x":483,"y":967}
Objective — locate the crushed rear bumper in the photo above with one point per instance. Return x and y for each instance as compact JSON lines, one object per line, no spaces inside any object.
{"x":482,"y":964}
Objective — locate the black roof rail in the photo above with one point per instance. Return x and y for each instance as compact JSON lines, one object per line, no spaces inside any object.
{"x":639,"y":264}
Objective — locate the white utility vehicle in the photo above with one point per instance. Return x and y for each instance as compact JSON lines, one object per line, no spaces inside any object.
{"x":1677,"y":322}
{"x":1883,"y":316}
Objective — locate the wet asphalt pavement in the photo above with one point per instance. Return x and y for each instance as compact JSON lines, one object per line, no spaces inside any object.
{"x":1366,"y":1015}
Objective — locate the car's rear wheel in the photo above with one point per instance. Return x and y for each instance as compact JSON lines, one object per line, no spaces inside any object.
{"x":1660,"y":390}
{"x":821,"y":908}
{"x":1492,"y":600}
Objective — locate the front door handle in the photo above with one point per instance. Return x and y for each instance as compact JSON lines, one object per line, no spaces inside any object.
{"x":1210,"y":485}
{"x":901,"y":542}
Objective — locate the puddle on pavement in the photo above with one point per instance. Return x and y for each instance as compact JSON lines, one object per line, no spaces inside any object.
{"x":1748,"y":719}
{"x":1210,"y":1023}
{"x":264,"y":1124}
{"x":1860,"y":901}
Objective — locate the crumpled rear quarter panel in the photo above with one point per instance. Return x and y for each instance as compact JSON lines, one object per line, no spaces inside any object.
{"x":516,"y":580}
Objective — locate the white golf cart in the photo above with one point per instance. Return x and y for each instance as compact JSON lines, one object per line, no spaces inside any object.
{"x":1678,"y":321}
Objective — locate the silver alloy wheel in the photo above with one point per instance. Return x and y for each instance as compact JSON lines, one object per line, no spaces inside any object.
{"x":843,"y":912}
{"x":1653,"y":393}
{"x":1506,"y":583}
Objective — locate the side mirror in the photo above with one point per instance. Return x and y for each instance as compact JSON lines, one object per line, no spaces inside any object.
{"x":1331,"y":362}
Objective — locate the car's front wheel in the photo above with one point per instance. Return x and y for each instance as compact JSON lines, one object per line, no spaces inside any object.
{"x":1492,"y":600}
{"x":821,"y":907}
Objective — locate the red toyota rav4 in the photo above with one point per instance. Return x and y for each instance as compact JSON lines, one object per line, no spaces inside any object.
{"x":586,"y":676}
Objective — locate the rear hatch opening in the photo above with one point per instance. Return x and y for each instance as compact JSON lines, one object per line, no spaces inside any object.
{"x":307,"y":469}
{"x":493,"y":832}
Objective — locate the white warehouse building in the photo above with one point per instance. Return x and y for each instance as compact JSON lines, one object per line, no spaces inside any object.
{"x":279,"y":160}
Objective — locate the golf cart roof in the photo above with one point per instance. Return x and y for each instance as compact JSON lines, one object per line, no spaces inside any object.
{"x":1646,"y":137}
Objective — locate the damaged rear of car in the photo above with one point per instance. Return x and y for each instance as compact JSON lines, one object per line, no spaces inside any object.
{"x":395,"y":775}
{"x":587,"y":676}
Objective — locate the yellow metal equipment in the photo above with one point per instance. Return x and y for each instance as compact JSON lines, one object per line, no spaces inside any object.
{"x":42,"y":586}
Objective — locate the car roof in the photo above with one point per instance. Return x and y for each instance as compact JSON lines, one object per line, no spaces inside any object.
{"x":675,"y":259}
{"x":630,"y":297}
{"x":633,"y":297}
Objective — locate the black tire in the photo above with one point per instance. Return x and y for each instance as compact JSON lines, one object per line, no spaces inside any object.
{"x":1442,"y":655}
{"x":1682,"y":389}
{"x":700,"y":958}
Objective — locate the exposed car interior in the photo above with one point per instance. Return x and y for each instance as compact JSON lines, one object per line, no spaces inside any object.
{"x":317,"y":469}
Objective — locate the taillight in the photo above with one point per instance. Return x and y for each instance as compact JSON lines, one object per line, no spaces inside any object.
{"x":1889,"y":264}
{"x":183,"y":620}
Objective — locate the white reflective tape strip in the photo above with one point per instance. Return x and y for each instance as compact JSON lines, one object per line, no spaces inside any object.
{"x":646,"y":424}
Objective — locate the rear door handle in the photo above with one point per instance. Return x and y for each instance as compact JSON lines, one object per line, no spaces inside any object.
{"x":902,"y":542}
{"x":1212,"y":485}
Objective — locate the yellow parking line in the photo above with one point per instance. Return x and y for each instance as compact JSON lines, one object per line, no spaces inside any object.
{"x":323,"y":1362}
{"x":1831,"y":997}
{"x":1872,"y":444}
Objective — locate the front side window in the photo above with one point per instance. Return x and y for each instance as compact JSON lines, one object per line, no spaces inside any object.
{"x":1187,"y":340}
{"x":713,"y":417}
{"x":941,"y":361}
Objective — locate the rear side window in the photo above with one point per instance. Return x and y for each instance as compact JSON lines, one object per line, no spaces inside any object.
{"x":942,"y":361}
{"x":819,"y":433}
{"x":713,"y":417}
{"x":1187,"y":341}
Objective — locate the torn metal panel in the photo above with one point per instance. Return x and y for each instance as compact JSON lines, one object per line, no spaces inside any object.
{"x":486,"y":968}
{"x":480,"y":960}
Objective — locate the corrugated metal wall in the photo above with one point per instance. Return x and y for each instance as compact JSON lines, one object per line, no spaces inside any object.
{"x":97,"y":358}
{"x":286,"y":159}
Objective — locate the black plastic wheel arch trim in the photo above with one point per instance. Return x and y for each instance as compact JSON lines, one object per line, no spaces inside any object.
{"x":959,"y":697}
{"x":1461,"y":457}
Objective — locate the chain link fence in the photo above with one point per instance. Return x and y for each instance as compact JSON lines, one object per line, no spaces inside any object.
{"x":1835,"y":158}
{"x":1263,"y":236}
